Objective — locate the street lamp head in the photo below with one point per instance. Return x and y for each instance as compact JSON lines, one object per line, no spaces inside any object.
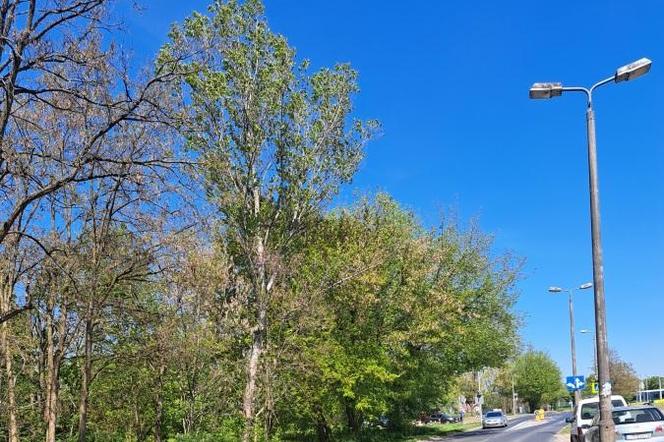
{"x":555,"y":289}
{"x":587,"y":285}
{"x":584,"y":330}
{"x":545,"y":90}
{"x":633,"y":70}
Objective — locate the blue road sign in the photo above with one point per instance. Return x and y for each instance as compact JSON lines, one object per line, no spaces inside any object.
{"x":574,"y":383}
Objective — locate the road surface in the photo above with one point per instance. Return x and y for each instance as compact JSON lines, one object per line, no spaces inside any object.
{"x":520,"y":429}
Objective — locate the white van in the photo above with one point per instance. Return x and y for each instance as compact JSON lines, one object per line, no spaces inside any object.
{"x":584,"y":412}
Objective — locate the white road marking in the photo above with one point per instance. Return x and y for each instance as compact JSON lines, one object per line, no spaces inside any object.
{"x":528,"y":424}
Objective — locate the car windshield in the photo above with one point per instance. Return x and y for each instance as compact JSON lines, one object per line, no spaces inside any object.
{"x":637,"y":415}
{"x":494,"y":414}
{"x":588,"y":411}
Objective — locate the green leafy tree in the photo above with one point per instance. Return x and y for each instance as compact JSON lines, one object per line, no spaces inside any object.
{"x":275,"y":143}
{"x":624,"y":380}
{"x":502,"y":386}
{"x":385,"y":318}
{"x":537,"y":378}
{"x":273,"y":318}
{"x":654,"y":382}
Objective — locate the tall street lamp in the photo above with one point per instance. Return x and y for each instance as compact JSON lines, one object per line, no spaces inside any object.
{"x":549,"y":90}
{"x":577,"y":394}
{"x":586,"y":331}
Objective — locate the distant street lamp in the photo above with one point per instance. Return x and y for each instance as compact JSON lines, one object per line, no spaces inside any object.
{"x":577,"y":394}
{"x":586,"y":331}
{"x":549,"y":90}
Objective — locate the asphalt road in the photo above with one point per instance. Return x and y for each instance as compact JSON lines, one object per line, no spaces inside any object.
{"x":520,"y":429}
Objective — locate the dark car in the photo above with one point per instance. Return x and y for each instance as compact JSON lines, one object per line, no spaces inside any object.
{"x":444,"y":418}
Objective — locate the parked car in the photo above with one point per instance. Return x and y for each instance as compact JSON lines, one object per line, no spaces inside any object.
{"x":494,"y":419}
{"x":584,"y":412}
{"x":633,"y":423}
{"x":444,"y":418}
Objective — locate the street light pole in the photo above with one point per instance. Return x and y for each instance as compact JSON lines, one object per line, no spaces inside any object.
{"x":577,"y":393}
{"x":606,"y":424}
{"x":549,"y":90}
{"x":572,"y":338}
{"x":584,"y":331}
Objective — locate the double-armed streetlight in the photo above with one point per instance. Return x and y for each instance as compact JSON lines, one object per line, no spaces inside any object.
{"x":550,"y":90}
{"x":577,"y":393}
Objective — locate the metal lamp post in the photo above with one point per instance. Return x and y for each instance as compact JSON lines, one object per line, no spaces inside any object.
{"x":549,"y":90}
{"x":577,"y":394}
{"x":586,"y":331}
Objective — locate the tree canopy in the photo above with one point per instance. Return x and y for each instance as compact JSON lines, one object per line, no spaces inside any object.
{"x":171,"y":267}
{"x":538,"y":379}
{"x":624,"y":380}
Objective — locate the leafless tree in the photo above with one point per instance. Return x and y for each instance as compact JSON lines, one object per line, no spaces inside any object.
{"x":64,"y":98}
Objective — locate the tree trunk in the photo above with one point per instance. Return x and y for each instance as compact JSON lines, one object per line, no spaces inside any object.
{"x":159,"y":405}
{"x":261,"y":291}
{"x":86,"y":376}
{"x":257,"y":347}
{"x":352,"y":418}
{"x":322,"y":428}
{"x":50,"y":415}
{"x":5,"y":304}
{"x":268,"y":400}
{"x":54,"y":353}
{"x":11,"y":386}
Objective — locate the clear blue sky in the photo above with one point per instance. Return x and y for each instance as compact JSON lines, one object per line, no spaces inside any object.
{"x":449,"y":82}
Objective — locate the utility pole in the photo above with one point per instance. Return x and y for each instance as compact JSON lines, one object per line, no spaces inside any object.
{"x":595,"y":355}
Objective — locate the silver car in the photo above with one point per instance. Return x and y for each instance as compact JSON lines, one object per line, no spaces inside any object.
{"x":633,"y":423}
{"x":494,"y":419}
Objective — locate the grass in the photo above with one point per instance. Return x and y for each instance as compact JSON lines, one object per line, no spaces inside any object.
{"x":440,"y":430}
{"x":413,"y":434}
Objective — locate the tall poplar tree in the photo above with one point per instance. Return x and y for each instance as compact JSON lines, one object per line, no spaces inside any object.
{"x":275,"y":143}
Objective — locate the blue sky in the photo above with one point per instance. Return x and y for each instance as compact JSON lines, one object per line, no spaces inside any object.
{"x":449,"y":82}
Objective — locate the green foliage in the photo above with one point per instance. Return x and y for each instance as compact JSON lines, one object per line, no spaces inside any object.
{"x":388,"y":317}
{"x":624,"y":380}
{"x":653,"y":382}
{"x":274,"y":143}
{"x":269,"y":133}
{"x":538,"y":379}
{"x":367,"y":314}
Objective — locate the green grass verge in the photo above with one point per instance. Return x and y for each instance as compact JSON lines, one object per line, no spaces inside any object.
{"x":442,"y":430}
{"x":410,"y":435}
